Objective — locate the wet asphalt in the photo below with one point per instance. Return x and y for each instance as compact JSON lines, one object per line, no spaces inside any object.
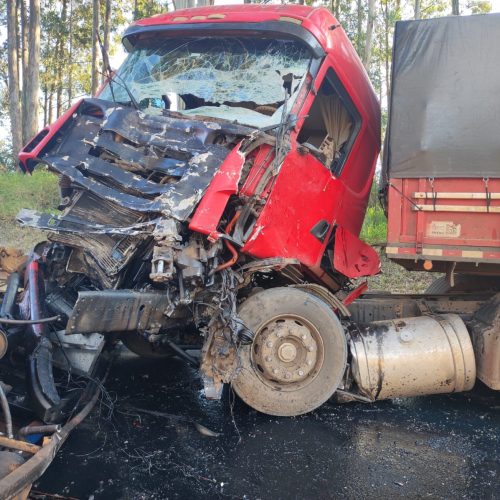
{"x":445,"y":446}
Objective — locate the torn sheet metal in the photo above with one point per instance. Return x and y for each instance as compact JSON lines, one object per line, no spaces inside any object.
{"x":93,"y":153}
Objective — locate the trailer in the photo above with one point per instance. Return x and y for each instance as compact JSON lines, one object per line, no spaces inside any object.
{"x":212,"y":197}
{"x":441,"y":175}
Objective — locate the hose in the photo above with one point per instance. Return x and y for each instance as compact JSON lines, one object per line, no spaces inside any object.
{"x":8,"y":321}
{"x":182,"y":353}
{"x":230,"y":247}
{"x":9,"y":298}
{"x":6,"y":412}
{"x":39,"y":429}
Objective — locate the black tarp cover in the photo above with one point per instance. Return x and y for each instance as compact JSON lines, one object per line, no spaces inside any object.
{"x":445,"y":105}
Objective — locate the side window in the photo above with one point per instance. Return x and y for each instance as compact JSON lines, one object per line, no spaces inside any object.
{"x":332,"y":124}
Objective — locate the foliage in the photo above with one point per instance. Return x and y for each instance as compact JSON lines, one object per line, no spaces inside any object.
{"x":38,"y":191}
{"x":6,"y":160}
{"x":374,"y":230}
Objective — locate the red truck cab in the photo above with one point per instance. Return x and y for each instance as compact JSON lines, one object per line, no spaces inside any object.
{"x":232,"y":151}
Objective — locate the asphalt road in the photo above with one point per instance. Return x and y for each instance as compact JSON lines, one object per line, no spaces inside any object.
{"x":438,"y":447}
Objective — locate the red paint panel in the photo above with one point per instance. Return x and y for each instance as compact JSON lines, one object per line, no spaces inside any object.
{"x":452,"y":231}
{"x":32,"y":154}
{"x":304,"y":193}
{"x":223,"y":185}
{"x":352,"y":257}
{"x":261,"y":162}
{"x":357,"y":292}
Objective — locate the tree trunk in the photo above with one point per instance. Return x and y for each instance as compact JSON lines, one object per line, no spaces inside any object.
{"x":359,"y":15}
{"x":136,"y":10}
{"x":61,"y":62}
{"x":369,"y":35}
{"x":387,"y":52}
{"x":24,"y":57}
{"x":455,"y":7}
{"x":417,"y":9}
{"x":50,"y":106}
{"x":70,"y":54}
{"x":107,"y":35}
{"x":95,"y":47}
{"x":45,"y":106}
{"x":12,"y":54}
{"x":32,"y":81}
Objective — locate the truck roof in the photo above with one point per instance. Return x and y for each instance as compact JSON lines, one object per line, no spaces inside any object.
{"x":318,"y":21}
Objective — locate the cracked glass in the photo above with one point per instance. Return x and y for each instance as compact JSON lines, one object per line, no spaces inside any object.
{"x":240,"y":79}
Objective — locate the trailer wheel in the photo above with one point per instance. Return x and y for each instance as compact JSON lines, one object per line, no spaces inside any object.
{"x":298,"y":355}
{"x":464,"y":283}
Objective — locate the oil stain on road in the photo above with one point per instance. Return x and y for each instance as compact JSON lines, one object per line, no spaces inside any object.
{"x":437,"y":446}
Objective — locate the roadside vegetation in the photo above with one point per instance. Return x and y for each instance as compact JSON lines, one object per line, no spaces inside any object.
{"x":38,"y":191}
{"x":374,"y":230}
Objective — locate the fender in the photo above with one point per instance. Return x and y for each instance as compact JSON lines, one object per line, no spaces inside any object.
{"x":353,"y":257}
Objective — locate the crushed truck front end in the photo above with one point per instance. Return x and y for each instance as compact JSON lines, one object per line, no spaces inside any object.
{"x":232,"y":153}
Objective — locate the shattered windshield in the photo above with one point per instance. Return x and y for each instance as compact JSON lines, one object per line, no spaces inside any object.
{"x":238,"y":79}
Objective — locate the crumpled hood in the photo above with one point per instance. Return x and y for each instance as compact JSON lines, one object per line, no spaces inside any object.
{"x":144,"y":163}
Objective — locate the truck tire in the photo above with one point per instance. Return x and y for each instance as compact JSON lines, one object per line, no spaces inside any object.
{"x":298,"y":354}
{"x":464,"y":283}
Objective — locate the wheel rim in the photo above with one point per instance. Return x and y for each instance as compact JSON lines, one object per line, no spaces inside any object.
{"x":287,"y":352}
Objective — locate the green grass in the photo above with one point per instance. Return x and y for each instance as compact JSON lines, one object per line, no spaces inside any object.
{"x":38,"y":192}
{"x":374,"y":230}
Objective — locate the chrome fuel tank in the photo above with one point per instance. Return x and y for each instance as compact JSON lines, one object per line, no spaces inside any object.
{"x":412,"y":357}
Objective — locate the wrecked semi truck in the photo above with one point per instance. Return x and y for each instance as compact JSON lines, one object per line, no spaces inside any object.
{"x":212,"y":197}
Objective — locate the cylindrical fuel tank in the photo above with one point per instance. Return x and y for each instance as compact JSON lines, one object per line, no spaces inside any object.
{"x":412,"y":357}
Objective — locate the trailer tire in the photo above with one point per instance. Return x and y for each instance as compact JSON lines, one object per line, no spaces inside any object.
{"x":464,"y":283}
{"x":298,"y":355}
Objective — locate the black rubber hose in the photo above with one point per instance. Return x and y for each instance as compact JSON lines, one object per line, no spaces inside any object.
{"x":6,"y":412}
{"x":193,"y":362}
{"x":9,"y":298}
{"x":8,"y":321}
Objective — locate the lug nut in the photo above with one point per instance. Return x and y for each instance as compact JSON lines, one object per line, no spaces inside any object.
{"x":303,"y":336}
{"x":301,"y":373}
{"x":275,"y":371}
{"x":310,"y":348}
{"x":309,"y":362}
{"x":269,"y":344}
{"x":269,"y":359}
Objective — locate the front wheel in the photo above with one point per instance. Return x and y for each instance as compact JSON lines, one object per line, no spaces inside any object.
{"x":298,"y":354}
